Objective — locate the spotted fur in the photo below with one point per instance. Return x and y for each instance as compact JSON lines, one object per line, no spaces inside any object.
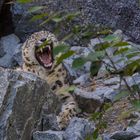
{"x":55,"y":77}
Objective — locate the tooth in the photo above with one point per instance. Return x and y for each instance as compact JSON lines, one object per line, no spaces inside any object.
{"x":41,"y":50}
{"x":48,"y":65}
{"x":39,"y":42}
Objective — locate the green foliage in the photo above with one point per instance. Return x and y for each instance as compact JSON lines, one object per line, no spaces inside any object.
{"x":93,"y":57}
{"x":98,"y":118}
{"x":23,"y":1}
{"x":136,"y":104}
{"x":78,"y":63}
{"x":64,"y":56}
{"x":127,"y":53}
{"x":61,"y":48}
{"x":122,"y":94}
{"x":38,"y":17}
{"x":35,"y":9}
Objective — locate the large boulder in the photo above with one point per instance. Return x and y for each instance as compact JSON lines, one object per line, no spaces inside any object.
{"x":10,"y":51}
{"x":78,"y":129}
{"x":22,"y":96}
{"x":122,"y":14}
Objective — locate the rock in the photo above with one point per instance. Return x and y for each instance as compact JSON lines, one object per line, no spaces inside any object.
{"x":21,"y":15}
{"x":48,"y":135}
{"x":138,"y":138}
{"x":94,"y":42}
{"x":49,"y":122}
{"x":123,"y":135}
{"x":87,"y":101}
{"x":22,"y":96}
{"x":117,"y":14}
{"x":82,"y":80}
{"x":79,"y":52}
{"x":11,"y":54}
{"x":135,"y":128}
{"x":78,"y":129}
{"x":106,"y":137}
{"x":17,"y":57}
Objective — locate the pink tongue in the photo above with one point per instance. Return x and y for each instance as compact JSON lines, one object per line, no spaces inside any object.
{"x":46,"y":58}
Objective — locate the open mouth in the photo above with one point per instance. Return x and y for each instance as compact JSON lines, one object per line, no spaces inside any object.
{"x":45,"y":56}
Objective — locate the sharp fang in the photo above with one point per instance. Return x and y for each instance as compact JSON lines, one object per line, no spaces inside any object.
{"x":41,"y":59}
{"x":39,"y":42}
{"x":48,"y":65}
{"x":49,"y":48}
{"x":41,"y":50}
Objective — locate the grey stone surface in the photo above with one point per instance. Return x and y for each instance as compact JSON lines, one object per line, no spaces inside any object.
{"x":87,"y":101}
{"x":106,"y":137}
{"x":48,"y":135}
{"x":118,"y":14}
{"x":78,"y":129}
{"x":22,"y":96}
{"x":135,"y":128}
{"x":11,"y":51}
{"x":50,"y":122}
{"x":138,"y":138}
{"x":82,"y":80}
{"x":123,"y":135}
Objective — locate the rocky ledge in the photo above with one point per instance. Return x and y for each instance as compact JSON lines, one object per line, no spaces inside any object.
{"x":22,"y":97}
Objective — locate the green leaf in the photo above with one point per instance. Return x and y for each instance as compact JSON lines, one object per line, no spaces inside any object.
{"x":107,"y":106}
{"x":67,"y":37}
{"x":104,"y":32}
{"x":95,"y":133}
{"x":60,"y":48}
{"x":132,"y":54}
{"x":71,"y":16}
{"x":78,"y":63}
{"x":95,"y":116}
{"x":87,"y":34}
{"x":37,"y":17}
{"x":136,"y":104}
{"x":121,"y":95}
{"x":95,"y":66}
{"x":89,"y":137}
{"x":110,"y":38}
{"x":35,"y":8}
{"x":64,"y":56}
{"x":76,"y":29}
{"x":57,"y":19}
{"x":136,"y":88}
{"x":95,"y":56}
{"x":102,"y":46}
{"x":121,"y":44}
{"x":131,"y":67}
{"x":50,"y":18}
{"x":121,"y":51}
{"x":24,"y":1}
